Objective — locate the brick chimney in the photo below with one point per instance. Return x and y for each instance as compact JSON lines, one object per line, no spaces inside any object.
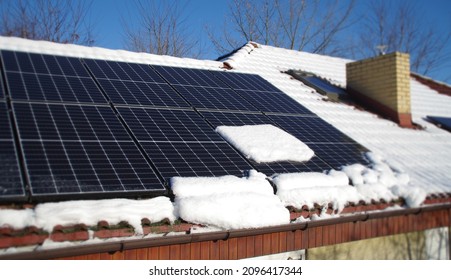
{"x":382,"y":84}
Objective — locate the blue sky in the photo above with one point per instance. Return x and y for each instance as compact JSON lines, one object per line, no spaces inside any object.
{"x":106,"y":16}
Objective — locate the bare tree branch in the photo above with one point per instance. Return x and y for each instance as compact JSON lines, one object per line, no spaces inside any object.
{"x":293,"y":24}
{"x":401,"y":28}
{"x":161,"y":30}
{"x":62,"y":21}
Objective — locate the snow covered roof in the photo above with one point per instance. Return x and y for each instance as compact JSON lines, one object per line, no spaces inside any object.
{"x":423,"y":154}
{"x":406,"y":163}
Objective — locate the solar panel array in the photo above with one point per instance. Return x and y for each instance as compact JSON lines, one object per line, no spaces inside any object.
{"x":97,"y":128}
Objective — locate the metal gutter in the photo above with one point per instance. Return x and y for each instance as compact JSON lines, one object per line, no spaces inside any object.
{"x":122,"y":245}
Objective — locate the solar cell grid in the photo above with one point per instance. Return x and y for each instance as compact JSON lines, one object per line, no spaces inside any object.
{"x":10,"y":179}
{"x":124,"y":71}
{"x":214,"y":98}
{"x":195,"y":159}
{"x":52,"y":79}
{"x":238,"y":119}
{"x":141,"y":93}
{"x":68,"y":122}
{"x":43,"y":64}
{"x":246,"y":81}
{"x":167,"y":125}
{"x":340,"y":154}
{"x":310,"y":129}
{"x":274,"y":102}
{"x":190,"y":77}
{"x":75,"y":149}
{"x":73,"y":167}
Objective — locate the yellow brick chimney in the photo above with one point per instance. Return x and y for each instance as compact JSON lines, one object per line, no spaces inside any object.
{"x":382,"y":84}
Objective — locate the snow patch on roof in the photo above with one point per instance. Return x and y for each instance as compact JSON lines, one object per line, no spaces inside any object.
{"x":229,"y":202}
{"x":90,"y":212}
{"x":265,"y":143}
{"x":71,"y":50}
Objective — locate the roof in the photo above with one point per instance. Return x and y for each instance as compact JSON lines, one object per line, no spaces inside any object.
{"x":422,"y":154}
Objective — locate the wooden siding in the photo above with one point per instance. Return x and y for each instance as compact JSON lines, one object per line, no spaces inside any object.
{"x":272,"y":243}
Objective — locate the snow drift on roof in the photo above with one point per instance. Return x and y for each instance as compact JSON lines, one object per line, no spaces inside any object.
{"x":113,"y":211}
{"x":229,"y":202}
{"x":265,"y":143}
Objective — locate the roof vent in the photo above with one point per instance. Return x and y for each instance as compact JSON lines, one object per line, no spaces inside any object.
{"x":382,"y":84}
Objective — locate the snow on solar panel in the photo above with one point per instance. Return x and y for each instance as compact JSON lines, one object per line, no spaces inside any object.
{"x":73,"y":149}
{"x":239,"y":119}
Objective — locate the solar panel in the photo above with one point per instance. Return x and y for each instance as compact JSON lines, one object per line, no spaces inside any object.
{"x":11,"y":186}
{"x":140,"y":93}
{"x":238,"y":119}
{"x":214,"y":98}
{"x":181,"y":143}
{"x":43,"y":64}
{"x":190,"y":77}
{"x":340,"y":154}
{"x":134,"y":84}
{"x":34,"y":77}
{"x":114,"y":70}
{"x":195,"y":159}
{"x":80,"y":150}
{"x":310,"y":129}
{"x":442,"y":122}
{"x":274,"y":102}
{"x":246,"y":81}
{"x":168,"y":125}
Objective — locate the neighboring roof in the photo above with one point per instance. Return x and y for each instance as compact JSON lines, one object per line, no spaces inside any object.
{"x":422,"y":154}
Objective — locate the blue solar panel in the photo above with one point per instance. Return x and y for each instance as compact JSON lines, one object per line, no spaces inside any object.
{"x":194,"y":159}
{"x":310,"y":129}
{"x":124,"y":71}
{"x":140,"y":93}
{"x":43,"y":64}
{"x":11,"y":186}
{"x":190,"y":77}
{"x":340,"y":154}
{"x":274,"y":102}
{"x":243,"y":81}
{"x":134,"y":84}
{"x":239,"y":119}
{"x":81,"y":150}
{"x":34,"y":77}
{"x":214,"y":98}
{"x":181,"y":143}
{"x":168,"y":125}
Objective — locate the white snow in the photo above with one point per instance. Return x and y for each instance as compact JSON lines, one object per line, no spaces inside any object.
{"x":265,"y":143}
{"x":90,"y":212}
{"x":255,"y":182}
{"x":376,"y":182}
{"x":289,"y":181}
{"x":16,"y":219}
{"x":234,"y":210}
{"x":229,"y":202}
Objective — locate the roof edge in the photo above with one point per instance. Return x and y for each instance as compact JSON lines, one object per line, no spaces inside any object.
{"x":122,"y":245}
